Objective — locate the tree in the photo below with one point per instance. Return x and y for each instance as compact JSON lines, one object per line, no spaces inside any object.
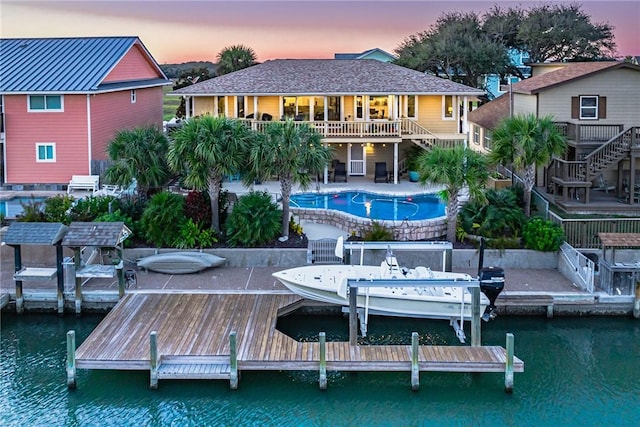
{"x":455,"y":168}
{"x":525,"y":142}
{"x":187,"y":78}
{"x":294,"y":152}
{"x":206,"y":149}
{"x":234,"y":58}
{"x":138,"y":154}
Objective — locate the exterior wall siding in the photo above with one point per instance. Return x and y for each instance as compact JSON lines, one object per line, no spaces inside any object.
{"x":111,"y":112}
{"x":269,"y":105}
{"x":621,"y":87}
{"x":526,"y":104}
{"x":430,"y":115}
{"x":68,"y":130}
{"x":134,"y":65}
{"x":202,"y":106}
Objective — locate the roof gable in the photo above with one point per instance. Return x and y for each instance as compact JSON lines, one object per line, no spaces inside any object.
{"x":327,"y":77}
{"x":134,"y":65}
{"x":34,"y":233}
{"x":570,"y":71}
{"x":61,"y":65}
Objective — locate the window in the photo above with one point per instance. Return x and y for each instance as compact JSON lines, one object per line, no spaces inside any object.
{"x":221,"y":107}
{"x":133,"y":96}
{"x":296,"y":107}
{"x":447,"y":107}
{"x":589,"y":107}
{"x":45,"y":103}
{"x":476,"y":135}
{"x":46,"y":152}
{"x":411,"y":106}
{"x":240,"y":106}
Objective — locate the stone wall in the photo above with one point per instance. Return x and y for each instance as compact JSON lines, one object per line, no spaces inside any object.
{"x":402,"y":230}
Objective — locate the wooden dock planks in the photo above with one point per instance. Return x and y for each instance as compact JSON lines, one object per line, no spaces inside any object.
{"x":198,"y":325}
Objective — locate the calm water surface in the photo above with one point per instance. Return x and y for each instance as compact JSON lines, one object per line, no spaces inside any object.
{"x":578,"y":371}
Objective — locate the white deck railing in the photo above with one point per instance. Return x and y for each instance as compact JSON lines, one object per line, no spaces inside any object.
{"x":576,"y":267}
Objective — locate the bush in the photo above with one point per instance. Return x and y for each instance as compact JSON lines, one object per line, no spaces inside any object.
{"x":32,"y":211}
{"x":542,"y":235}
{"x":193,"y":235}
{"x":58,"y":208}
{"x":255,"y":220}
{"x":501,"y":216}
{"x":197,"y":207}
{"x":91,"y":207}
{"x":377,"y":233}
{"x":162,"y":219}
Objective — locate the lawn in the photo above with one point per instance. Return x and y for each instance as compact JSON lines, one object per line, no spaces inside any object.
{"x":169,"y":103}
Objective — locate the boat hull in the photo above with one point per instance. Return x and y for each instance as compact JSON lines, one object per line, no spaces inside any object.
{"x":180,"y":262}
{"x":327,"y":284}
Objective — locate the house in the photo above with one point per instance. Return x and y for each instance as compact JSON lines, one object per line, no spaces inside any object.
{"x":497,"y":85}
{"x":64,"y":99}
{"x":369,"y":111}
{"x":595,"y":105}
{"x":375,"y":53}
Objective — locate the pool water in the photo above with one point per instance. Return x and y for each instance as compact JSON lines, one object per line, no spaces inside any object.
{"x":11,"y":208}
{"x":374,"y":206}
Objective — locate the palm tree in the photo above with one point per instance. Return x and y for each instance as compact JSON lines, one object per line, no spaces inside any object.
{"x":294,"y":152}
{"x":138,"y":154}
{"x":525,"y":142}
{"x":206,"y":149}
{"x":234,"y":58}
{"x":454,"y":168}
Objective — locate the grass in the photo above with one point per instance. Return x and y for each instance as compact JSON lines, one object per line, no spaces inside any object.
{"x":169,"y":103}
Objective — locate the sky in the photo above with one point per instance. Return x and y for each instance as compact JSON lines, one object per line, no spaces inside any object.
{"x":179,"y":31}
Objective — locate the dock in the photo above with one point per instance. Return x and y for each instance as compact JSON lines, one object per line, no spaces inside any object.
{"x":214,"y":336}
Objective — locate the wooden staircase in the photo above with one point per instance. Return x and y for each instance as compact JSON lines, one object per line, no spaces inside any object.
{"x":194,"y":367}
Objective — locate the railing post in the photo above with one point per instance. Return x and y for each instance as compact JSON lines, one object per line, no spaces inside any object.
{"x":153,"y":359}
{"x":233,"y":355}
{"x":323,"y":360}
{"x":415,"y":369}
{"x":71,"y":359}
{"x":353,"y":315}
{"x":508,"y":371}
{"x":476,"y":338}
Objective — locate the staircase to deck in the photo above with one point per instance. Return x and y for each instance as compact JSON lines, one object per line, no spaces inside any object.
{"x":423,"y":138}
{"x":194,"y":367}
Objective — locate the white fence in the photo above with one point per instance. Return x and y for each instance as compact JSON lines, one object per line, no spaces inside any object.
{"x":576,"y":267}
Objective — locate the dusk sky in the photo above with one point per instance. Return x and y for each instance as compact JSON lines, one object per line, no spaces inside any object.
{"x":178,"y":31}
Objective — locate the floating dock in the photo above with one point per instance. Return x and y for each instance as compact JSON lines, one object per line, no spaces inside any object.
{"x":213,"y":336}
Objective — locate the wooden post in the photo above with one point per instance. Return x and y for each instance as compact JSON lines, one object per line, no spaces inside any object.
{"x":78,"y":262}
{"x":415,"y":369}
{"x":60,"y":277}
{"x":353,"y":315}
{"x":233,"y":373}
{"x":476,"y":337}
{"x":153,"y":359}
{"x":508,"y":371}
{"x":636,"y":301}
{"x":71,"y":359}
{"x":120,"y":274}
{"x":323,"y":361}
{"x":17,"y":259}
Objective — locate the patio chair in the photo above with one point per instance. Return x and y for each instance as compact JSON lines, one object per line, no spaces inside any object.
{"x":340,"y":170}
{"x":381,"y":172}
{"x":603,"y":185}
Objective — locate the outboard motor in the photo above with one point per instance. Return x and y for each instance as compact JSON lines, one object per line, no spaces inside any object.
{"x":491,"y":284}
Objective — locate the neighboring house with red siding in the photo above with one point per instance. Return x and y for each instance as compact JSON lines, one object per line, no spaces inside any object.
{"x":64,"y":99}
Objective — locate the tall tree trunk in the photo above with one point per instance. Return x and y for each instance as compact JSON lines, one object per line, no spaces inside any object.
{"x":285,"y":186}
{"x":529,"y":180}
{"x":214,"y":186}
{"x":452,"y":216}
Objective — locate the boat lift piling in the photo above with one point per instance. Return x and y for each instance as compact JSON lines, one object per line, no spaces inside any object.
{"x":473,"y":286}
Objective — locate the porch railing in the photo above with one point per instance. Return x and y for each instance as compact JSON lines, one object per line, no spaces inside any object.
{"x":581,"y":133}
{"x":583,"y":233}
{"x":333,"y":129}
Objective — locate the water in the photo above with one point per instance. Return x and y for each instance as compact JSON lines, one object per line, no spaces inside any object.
{"x":374,"y":206}
{"x":11,"y":208}
{"x":578,"y":371}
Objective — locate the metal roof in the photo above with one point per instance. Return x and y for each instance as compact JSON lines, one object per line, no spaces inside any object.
{"x":34,"y":233}
{"x":59,"y":65}
{"x":327,"y":77}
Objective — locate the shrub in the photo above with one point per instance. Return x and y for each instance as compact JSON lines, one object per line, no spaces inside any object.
{"x":162,"y":218}
{"x":500,"y":216}
{"x":255,"y":220}
{"x":542,"y":235}
{"x":58,"y":208}
{"x":197,"y":207}
{"x":377,"y":233}
{"x":90,"y":208}
{"x":193,"y":235}
{"x":32,"y":211}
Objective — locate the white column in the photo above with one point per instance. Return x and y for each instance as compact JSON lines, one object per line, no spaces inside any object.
{"x":187,"y":107}
{"x":395,"y":162}
{"x":465,"y":110}
{"x":255,"y":108}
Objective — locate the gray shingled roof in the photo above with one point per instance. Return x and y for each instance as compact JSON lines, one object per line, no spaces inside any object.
{"x":327,"y":77}
{"x":77,"y":64}
{"x":490,"y":114}
{"x":34,"y":233}
{"x":103,"y":234}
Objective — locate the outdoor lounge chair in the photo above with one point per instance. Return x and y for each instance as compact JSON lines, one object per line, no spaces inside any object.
{"x":340,"y":169}
{"x":603,"y":185}
{"x":381,"y":172}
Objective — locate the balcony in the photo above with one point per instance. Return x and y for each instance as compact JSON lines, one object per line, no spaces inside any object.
{"x":338,"y":129}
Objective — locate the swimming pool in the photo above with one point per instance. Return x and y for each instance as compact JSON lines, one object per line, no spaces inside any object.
{"x":374,"y":206}
{"x":12,"y":207}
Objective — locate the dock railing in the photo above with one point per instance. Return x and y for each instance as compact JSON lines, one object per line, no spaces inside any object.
{"x":576,"y":267}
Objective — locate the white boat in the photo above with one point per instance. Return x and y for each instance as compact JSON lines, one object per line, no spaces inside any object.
{"x":180,"y":262}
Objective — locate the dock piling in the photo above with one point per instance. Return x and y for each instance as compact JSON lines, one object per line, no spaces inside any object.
{"x":476,"y":337}
{"x":233,"y":354}
{"x":353,"y":315}
{"x":323,"y":361}
{"x":508,"y":371}
{"x":415,"y":369}
{"x":153,"y":359}
{"x":71,"y":359}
